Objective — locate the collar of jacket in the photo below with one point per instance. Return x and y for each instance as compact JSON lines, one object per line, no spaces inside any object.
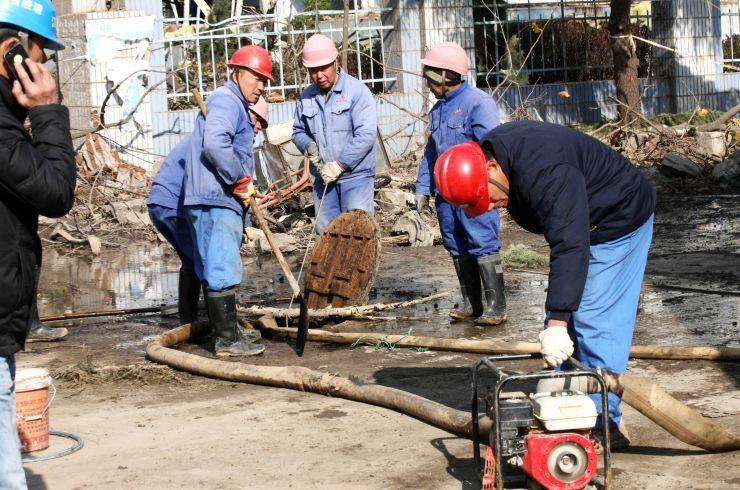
{"x":234,"y":88}
{"x":454,"y":93}
{"x":8,"y":100}
{"x":339,"y":85}
{"x":501,"y":155}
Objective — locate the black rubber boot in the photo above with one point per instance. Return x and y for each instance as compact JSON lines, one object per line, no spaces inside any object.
{"x":467,"y":274}
{"x":38,"y":332}
{"x":492,"y":274}
{"x":188,"y":293}
{"x":229,"y":339}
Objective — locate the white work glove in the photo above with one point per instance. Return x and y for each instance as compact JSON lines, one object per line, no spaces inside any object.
{"x":555,"y":345}
{"x":331,"y":171}
{"x":250,"y":233}
{"x":312,"y":152}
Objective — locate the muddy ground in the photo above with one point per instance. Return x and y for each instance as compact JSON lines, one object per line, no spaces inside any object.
{"x":155,"y":428}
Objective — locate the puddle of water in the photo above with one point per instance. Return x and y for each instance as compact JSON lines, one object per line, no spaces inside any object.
{"x":136,"y":276}
{"x":132,"y":277}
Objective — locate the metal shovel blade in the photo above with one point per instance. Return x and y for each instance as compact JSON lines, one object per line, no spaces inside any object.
{"x":302,"y":336}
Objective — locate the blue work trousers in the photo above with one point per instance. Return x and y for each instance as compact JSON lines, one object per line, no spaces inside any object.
{"x":174,"y":227}
{"x":602,"y":327}
{"x":463,"y":235}
{"x":217,"y":234}
{"x":12,"y":476}
{"x":340,"y":197}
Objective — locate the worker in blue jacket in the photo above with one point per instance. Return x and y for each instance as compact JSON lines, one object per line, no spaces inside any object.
{"x":462,"y":113}
{"x":165,"y":206}
{"x":596,"y":212}
{"x":335,"y":127}
{"x":218,"y":178}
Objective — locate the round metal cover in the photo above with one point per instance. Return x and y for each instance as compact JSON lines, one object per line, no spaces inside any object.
{"x":344,"y":262}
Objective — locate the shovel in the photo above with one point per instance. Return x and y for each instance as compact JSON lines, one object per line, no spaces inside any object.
{"x":303,"y":318}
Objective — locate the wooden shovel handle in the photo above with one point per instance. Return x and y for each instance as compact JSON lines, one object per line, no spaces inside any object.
{"x":274,"y":246}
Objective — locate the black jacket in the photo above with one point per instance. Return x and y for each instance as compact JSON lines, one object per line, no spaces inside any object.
{"x":573,"y":189}
{"x":37,"y":176}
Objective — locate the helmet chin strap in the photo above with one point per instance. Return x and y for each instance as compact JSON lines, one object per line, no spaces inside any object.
{"x":500,"y":186}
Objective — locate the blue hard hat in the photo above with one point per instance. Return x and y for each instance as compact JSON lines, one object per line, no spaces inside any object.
{"x":34,"y":16}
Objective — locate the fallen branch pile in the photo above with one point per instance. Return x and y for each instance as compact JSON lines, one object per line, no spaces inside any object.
{"x":345,"y":312}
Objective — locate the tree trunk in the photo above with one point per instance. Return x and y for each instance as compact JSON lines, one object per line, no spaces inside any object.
{"x":626,"y":62}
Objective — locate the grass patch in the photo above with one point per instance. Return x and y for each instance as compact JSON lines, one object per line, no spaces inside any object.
{"x":523,"y":257}
{"x":384,"y":343}
{"x":703,"y":116}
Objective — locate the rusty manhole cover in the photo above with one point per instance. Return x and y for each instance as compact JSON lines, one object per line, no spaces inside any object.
{"x":344,"y":262}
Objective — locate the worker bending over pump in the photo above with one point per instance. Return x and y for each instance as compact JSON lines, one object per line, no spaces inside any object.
{"x":335,"y":127}
{"x":462,"y":113}
{"x":165,"y":206}
{"x":596,"y":212}
{"x":218,"y":178}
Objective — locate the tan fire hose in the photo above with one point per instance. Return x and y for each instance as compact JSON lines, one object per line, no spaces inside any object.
{"x":678,"y":419}
{"x":492,"y":347}
{"x":304,"y":379}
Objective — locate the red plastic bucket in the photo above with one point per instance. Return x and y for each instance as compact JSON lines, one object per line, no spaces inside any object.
{"x":32,"y":403}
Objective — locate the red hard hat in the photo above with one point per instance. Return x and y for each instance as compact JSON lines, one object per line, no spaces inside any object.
{"x":461,"y":178}
{"x":256,"y":58}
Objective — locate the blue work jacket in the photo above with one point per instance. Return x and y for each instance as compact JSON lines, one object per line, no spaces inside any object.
{"x":220,"y":151}
{"x":343,"y":126}
{"x":464,"y":114}
{"x":167,"y":184}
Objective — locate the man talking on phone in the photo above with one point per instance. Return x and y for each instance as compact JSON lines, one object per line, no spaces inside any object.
{"x":37,"y":177}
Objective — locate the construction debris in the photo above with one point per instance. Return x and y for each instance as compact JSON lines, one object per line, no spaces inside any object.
{"x":728,"y":172}
{"x":674,"y":165}
{"x":132,"y":211}
{"x":417,"y":232}
{"x":394,"y":201}
{"x":96,"y":157}
{"x":286,"y":242}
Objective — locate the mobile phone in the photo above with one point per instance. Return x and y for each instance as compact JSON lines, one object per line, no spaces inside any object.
{"x":17,"y":52}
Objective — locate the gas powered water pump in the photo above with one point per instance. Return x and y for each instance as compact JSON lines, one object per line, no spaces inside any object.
{"x":541,"y":440}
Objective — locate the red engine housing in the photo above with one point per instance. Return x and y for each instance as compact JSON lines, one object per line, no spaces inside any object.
{"x":560,"y":451}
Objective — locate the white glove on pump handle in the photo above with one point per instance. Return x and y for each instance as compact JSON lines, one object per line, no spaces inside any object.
{"x":556,"y":345}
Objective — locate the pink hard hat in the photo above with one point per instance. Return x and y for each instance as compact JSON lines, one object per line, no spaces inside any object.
{"x":260,"y":109}
{"x":319,"y":50}
{"x":447,"y":56}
